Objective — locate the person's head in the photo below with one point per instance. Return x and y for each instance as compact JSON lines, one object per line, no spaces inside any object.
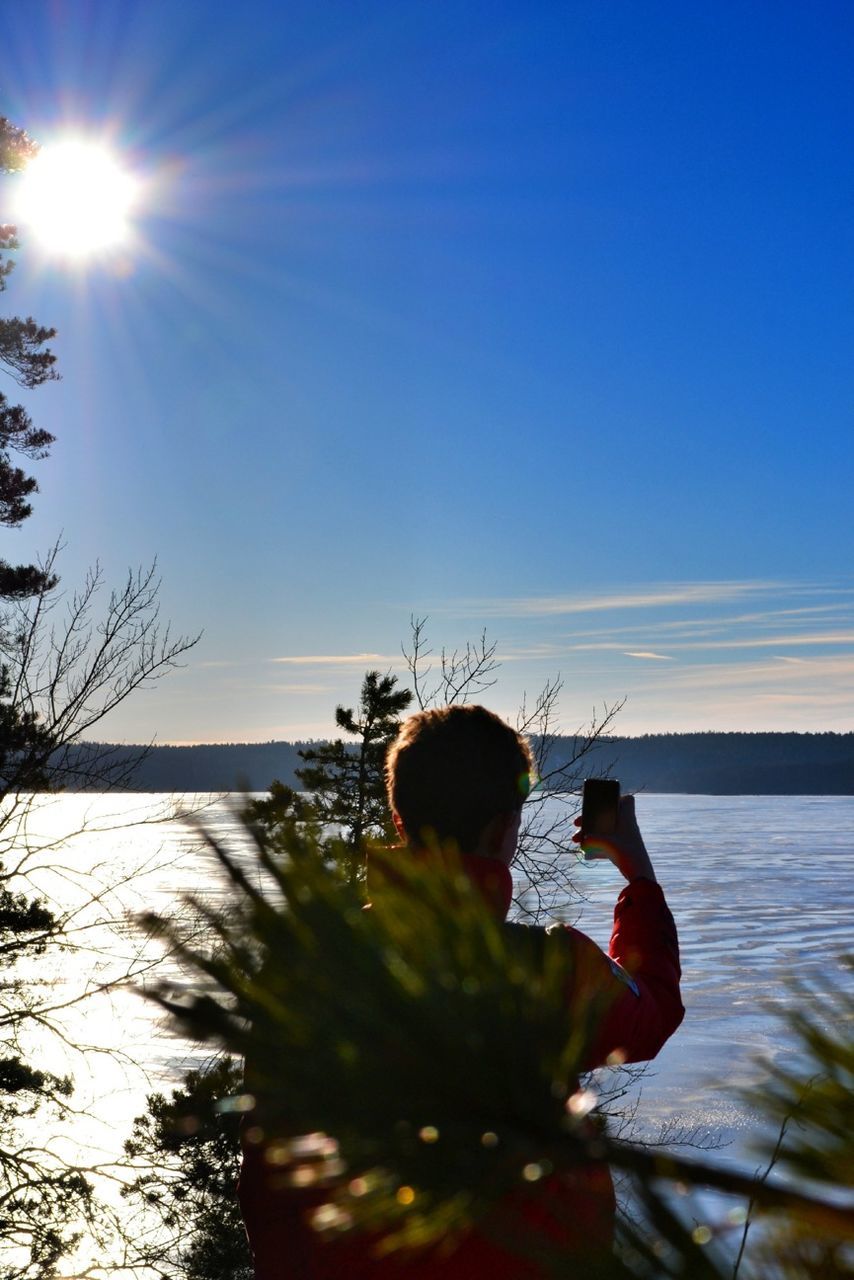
{"x":459,"y":774}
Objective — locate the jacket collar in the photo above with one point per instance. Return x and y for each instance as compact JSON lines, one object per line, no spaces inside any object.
{"x":491,"y":877}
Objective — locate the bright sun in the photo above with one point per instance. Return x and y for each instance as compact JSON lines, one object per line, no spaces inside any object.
{"x":75,"y":198}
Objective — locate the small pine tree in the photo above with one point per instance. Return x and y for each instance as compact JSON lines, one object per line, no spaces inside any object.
{"x":346,"y":780}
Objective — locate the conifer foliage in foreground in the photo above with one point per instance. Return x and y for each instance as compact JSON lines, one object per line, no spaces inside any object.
{"x":430,"y":1069}
{"x":183,"y":1215}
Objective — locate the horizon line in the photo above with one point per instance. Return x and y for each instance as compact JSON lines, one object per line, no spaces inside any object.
{"x":652,"y":733}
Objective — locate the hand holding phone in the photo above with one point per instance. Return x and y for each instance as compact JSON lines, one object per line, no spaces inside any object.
{"x":608,"y":829}
{"x":600,"y":805}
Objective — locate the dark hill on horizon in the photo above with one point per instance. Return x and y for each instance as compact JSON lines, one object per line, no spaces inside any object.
{"x":730,"y":763}
{"x":687,"y":763}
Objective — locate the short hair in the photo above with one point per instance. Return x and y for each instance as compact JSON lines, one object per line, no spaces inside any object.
{"x":451,"y":770}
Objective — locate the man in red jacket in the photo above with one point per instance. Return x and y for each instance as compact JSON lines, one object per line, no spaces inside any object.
{"x":459,"y":776}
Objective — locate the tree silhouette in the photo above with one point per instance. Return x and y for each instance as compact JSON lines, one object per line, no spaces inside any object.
{"x":346,"y":780}
{"x":27,"y":359}
{"x":185,"y":1156}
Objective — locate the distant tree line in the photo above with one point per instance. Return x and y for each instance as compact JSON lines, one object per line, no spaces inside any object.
{"x":686,"y":763}
{"x":762,"y":764}
{"x":248,"y":766}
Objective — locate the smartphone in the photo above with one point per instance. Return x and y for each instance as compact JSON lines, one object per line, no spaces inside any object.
{"x":600,"y":801}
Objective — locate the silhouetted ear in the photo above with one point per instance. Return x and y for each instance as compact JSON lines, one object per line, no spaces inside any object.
{"x":398,"y":826}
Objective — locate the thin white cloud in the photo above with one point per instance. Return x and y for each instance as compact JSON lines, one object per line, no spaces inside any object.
{"x":601,"y":646}
{"x":817,"y":674}
{"x":651,"y":597}
{"x":818,"y":638}
{"x":692,"y":627}
{"x":657,"y":657}
{"x":532,"y":652}
{"x":814,"y":694}
{"x":338,"y":659}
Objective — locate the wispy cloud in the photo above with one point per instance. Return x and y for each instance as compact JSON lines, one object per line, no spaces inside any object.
{"x":651,"y":597}
{"x":657,"y":657}
{"x":339,"y":659}
{"x":814,"y":693}
{"x":749,"y":654}
{"x":817,"y":638}
{"x":814,"y":674}
{"x":686,"y":628}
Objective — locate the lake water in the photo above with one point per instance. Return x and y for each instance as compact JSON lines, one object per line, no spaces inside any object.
{"x":762,"y":888}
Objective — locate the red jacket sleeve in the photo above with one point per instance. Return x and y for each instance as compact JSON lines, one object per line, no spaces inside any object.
{"x":630,"y":996}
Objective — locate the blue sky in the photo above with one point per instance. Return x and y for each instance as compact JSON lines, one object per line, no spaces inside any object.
{"x":532,"y":317}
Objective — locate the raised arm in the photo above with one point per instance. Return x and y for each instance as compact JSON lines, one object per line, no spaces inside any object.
{"x":633,"y":992}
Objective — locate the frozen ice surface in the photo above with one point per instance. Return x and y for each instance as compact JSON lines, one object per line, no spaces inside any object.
{"x":761,"y":888}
